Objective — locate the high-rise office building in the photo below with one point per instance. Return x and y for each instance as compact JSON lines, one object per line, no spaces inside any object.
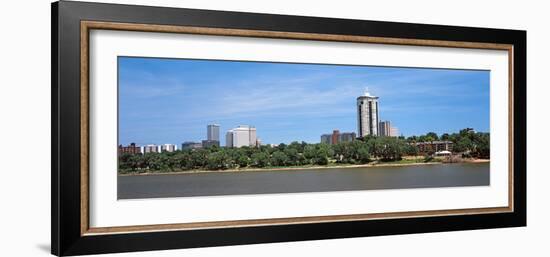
{"x":212,"y":136}
{"x":384,"y":128}
{"x":213,"y":132}
{"x":252,"y":138}
{"x":325,"y":139}
{"x":243,"y":135}
{"x":367,"y":115}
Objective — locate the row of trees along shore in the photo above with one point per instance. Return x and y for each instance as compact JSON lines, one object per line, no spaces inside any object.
{"x":361,"y":151}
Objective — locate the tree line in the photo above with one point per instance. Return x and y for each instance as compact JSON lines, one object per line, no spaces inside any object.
{"x":360,"y":151}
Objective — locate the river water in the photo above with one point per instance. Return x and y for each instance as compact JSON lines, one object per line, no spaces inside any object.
{"x":295,"y":181}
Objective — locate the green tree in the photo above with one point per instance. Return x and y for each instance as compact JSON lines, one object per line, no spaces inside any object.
{"x":279,"y":158}
{"x":243,"y":161}
{"x":260,"y":159}
{"x":310,"y":153}
{"x":362,"y":154}
{"x":464,"y":144}
{"x":390,"y":148}
{"x":292,"y":155}
{"x":433,"y":135}
{"x":410,"y":149}
{"x":219,"y":161}
{"x":482,"y":145}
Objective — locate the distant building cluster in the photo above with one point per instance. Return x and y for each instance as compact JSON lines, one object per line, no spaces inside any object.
{"x":130,"y":149}
{"x":135,"y":149}
{"x":337,"y":137}
{"x":243,"y":135}
{"x":368,"y":123}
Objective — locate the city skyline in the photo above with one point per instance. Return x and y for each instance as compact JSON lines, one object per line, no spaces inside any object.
{"x":289,"y":102}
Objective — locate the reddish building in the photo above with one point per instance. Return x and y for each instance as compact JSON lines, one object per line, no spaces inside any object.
{"x":335,"y":136}
{"x":131,"y":149}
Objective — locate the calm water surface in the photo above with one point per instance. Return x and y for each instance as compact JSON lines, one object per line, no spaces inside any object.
{"x":296,"y":181}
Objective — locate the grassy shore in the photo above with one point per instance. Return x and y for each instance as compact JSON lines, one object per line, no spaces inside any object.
{"x":406,"y":161}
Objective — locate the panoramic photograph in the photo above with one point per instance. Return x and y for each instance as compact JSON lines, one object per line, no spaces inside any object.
{"x":189,"y":128}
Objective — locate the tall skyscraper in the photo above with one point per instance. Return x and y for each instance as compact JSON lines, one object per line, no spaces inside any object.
{"x":367,"y":115}
{"x":213,"y":132}
{"x":212,"y":136}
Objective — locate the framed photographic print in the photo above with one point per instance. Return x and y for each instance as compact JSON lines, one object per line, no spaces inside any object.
{"x":178,"y":128}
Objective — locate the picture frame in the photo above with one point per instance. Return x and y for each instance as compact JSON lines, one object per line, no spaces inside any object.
{"x":70,"y":173}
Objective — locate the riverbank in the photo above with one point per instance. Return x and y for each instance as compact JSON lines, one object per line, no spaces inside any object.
{"x":401,"y":163}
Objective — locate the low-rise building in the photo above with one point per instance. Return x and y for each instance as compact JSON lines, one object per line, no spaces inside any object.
{"x":130,"y":149}
{"x":434,"y":146}
{"x":190,"y":145}
{"x":150,"y":149}
{"x":337,"y":137}
{"x":168,"y":148}
{"x":210,"y":143}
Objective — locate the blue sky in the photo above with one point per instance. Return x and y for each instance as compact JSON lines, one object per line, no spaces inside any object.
{"x":172,"y":100}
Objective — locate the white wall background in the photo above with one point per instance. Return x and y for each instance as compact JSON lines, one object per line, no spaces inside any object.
{"x":25,"y":127}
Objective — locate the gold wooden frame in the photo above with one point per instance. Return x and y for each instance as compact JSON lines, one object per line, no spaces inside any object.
{"x":86,"y":26}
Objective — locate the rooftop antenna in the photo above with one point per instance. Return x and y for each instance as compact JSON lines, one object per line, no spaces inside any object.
{"x":367,"y":91}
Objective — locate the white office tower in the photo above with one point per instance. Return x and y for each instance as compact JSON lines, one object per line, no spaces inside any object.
{"x":367,"y":115}
{"x":252,"y":139}
{"x":240,"y":136}
{"x":150,"y":149}
{"x":168,"y":148}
